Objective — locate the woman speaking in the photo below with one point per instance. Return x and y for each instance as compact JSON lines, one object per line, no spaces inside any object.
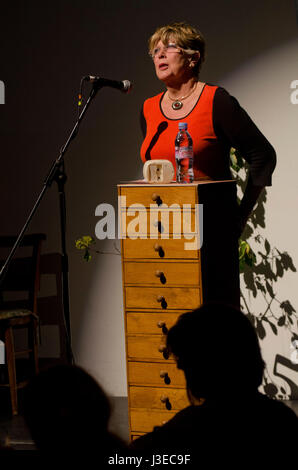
{"x":216,"y":121}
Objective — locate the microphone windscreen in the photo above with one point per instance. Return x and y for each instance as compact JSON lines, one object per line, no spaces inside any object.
{"x":127,"y":86}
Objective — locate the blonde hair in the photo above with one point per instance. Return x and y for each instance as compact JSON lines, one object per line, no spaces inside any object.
{"x":185,"y":36}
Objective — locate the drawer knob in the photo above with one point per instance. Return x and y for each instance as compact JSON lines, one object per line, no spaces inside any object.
{"x":162,"y":348}
{"x":160,"y":276}
{"x":159,"y":273}
{"x":163,"y":374}
{"x":163,"y":326}
{"x":156,"y":198}
{"x":164,"y":399}
{"x":162,"y":301}
{"x":159,"y":249}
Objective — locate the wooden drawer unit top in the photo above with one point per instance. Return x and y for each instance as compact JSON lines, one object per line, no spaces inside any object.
{"x":151,"y":323}
{"x":159,"y":273}
{"x":149,"y":347}
{"x":138,"y":248}
{"x":155,"y":374}
{"x":145,"y":420}
{"x":163,"y":298}
{"x":146,"y":195}
{"x":158,"y":398}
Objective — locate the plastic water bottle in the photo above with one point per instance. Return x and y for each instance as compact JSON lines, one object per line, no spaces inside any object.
{"x":184,"y":155}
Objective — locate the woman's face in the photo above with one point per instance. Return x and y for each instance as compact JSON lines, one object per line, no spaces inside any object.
{"x":172,"y":66}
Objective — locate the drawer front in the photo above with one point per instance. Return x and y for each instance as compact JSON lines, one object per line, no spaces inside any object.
{"x":184,"y":194}
{"x":163,"y":298}
{"x":165,"y":399}
{"x":159,"y":223}
{"x":140,"y":248}
{"x":156,"y":374}
{"x":147,"y":347}
{"x":150,"y":323}
{"x":145,"y":420}
{"x":158,"y":273}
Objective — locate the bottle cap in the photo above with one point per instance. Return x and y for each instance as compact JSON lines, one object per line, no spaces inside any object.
{"x":182,"y":125}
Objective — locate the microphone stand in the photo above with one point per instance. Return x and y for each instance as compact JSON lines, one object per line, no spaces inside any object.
{"x":57,"y":174}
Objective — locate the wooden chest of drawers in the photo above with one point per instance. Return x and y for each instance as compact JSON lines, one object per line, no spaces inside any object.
{"x":162,"y":279}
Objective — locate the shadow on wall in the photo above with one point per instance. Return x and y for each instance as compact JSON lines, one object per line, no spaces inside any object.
{"x":261,"y":279}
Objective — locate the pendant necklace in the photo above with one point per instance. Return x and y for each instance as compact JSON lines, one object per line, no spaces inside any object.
{"x":177,"y":102}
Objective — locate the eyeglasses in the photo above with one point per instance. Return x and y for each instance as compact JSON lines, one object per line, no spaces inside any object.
{"x":167,"y":49}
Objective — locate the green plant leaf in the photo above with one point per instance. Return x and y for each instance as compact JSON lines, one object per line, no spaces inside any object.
{"x":84,"y":242}
{"x":246,"y":255}
{"x":236,"y":160}
{"x":87,"y":256}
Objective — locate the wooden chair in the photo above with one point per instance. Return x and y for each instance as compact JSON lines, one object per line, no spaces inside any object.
{"x":50,"y":306}
{"x":22,"y":278}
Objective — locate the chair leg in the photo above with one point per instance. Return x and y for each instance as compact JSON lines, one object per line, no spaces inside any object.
{"x":11,"y":365}
{"x":33,"y":344}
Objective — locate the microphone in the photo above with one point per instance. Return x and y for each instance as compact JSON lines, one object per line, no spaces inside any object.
{"x":125,"y":86}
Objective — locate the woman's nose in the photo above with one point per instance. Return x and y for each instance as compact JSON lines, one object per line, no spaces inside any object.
{"x":162,"y":51}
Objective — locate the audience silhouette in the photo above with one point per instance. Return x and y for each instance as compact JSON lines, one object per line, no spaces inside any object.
{"x":217,"y":348}
{"x":67,"y":413}
{"x":229,"y":422}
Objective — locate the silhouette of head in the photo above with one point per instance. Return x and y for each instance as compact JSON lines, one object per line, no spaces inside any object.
{"x":217,"y":348}
{"x":64,"y":407}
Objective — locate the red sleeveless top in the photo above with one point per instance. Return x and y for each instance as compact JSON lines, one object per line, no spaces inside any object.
{"x":211,"y":157}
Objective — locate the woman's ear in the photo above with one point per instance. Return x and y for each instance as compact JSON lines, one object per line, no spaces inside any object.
{"x":194,"y":59}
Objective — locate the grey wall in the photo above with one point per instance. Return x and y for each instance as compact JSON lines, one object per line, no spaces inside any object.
{"x":46,"y":47}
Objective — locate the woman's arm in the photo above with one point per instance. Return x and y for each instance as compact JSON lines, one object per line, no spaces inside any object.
{"x":233,"y":125}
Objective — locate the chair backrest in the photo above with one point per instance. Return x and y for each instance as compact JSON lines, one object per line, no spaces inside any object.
{"x":23,"y":274}
{"x":50,"y":306}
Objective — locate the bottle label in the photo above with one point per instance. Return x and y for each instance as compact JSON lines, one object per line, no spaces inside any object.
{"x":183,"y":152}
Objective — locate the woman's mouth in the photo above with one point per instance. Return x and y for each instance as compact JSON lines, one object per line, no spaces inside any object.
{"x":163,"y":66}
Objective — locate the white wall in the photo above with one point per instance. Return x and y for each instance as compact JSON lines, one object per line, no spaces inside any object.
{"x":263,"y":86}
